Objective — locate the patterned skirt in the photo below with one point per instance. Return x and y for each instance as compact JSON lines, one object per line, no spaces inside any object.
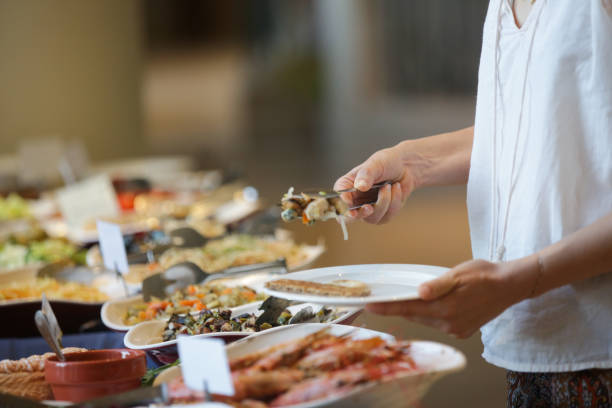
{"x":579,"y":389}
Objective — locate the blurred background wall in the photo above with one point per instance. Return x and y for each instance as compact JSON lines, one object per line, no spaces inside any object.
{"x":282,"y":92}
{"x":72,"y":69}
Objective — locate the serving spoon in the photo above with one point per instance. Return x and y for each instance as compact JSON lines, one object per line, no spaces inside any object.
{"x":45,"y":331}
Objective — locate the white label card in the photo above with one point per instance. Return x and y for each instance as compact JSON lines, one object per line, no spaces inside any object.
{"x":87,"y":200}
{"x":112,"y":247}
{"x":205,"y":361}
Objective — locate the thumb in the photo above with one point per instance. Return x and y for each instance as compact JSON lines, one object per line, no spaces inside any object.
{"x":367,"y":175}
{"x":437,"y":288}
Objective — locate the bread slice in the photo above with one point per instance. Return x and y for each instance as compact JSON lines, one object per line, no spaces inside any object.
{"x":341,"y":288}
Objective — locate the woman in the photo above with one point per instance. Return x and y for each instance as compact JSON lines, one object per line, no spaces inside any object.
{"x":538,"y":164}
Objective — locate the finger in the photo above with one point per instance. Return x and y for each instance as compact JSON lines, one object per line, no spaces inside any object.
{"x":381,"y":206}
{"x":346,"y":197}
{"x":439,"y":287}
{"x":362,"y":212}
{"x":366,"y":211}
{"x":396,"y":203}
{"x":368,"y":173}
{"x":347,"y":181}
{"x":408,"y":309}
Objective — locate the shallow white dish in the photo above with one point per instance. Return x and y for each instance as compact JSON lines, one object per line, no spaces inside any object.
{"x":112,"y":312}
{"x":434,"y":360}
{"x":147,"y":336}
{"x":310,"y":254}
{"x":387,"y":282}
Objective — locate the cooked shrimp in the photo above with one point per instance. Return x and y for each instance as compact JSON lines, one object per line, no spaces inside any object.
{"x":317,"y":209}
{"x":339,"y":382}
{"x":264,"y":384}
{"x":339,"y":356}
{"x":320,"y":387}
{"x":282,"y":355}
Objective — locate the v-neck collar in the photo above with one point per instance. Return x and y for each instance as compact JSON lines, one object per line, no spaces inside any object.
{"x":528,"y":21}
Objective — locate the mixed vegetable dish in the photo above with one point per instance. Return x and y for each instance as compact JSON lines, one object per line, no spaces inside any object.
{"x":193,"y":298}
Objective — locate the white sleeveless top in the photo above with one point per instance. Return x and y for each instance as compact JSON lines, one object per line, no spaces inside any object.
{"x":541,"y":169}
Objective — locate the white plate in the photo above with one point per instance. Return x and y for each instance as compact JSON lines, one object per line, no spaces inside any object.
{"x":387,"y":282}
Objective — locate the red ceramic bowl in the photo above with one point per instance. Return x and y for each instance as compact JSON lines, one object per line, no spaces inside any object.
{"x":95,"y":373}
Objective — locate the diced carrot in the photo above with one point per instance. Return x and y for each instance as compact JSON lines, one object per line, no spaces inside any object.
{"x":305,"y":219}
{"x":188,"y":302}
{"x":199,"y":305}
{"x":226,"y":291}
{"x":142,"y":315}
{"x":158,"y":305}
{"x":192,"y":289}
{"x":249,"y":295}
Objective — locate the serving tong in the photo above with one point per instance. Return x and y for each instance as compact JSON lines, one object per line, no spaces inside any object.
{"x":184,"y":274}
{"x":368,"y":197}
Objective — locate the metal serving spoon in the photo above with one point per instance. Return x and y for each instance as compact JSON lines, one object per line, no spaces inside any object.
{"x":45,"y":331}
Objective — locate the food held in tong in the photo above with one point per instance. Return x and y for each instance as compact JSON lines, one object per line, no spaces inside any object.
{"x":314,"y":207}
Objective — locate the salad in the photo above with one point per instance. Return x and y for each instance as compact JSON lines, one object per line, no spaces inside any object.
{"x":13,"y":207}
{"x":46,"y":251}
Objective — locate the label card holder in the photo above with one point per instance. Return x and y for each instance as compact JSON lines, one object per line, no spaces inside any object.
{"x":112,"y":247}
{"x":204,"y":365}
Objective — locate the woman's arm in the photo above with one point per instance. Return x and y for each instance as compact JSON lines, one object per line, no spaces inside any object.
{"x":474,"y":292}
{"x":436,"y":160}
{"x":440,"y":160}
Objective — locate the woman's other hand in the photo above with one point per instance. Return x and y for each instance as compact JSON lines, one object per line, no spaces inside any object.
{"x":466,"y":297}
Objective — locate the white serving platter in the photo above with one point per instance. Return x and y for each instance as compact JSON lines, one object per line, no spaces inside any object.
{"x":434,"y":360}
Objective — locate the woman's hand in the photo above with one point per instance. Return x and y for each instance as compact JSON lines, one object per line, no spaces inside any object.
{"x":384,"y":165}
{"x":466,"y":297}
